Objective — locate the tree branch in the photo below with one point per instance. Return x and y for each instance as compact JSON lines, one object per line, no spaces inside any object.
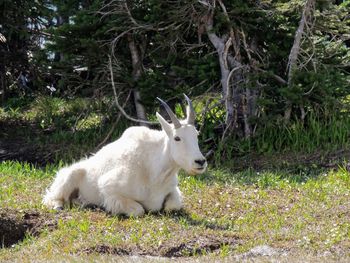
{"x":120,"y":108}
{"x":113,"y":126}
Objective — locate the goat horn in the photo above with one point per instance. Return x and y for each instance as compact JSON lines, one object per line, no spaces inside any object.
{"x":172,"y":116}
{"x":191,"y":114}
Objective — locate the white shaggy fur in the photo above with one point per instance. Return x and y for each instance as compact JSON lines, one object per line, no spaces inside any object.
{"x":135,"y":173}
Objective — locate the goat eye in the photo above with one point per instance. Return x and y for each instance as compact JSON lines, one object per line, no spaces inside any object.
{"x":177,"y":138}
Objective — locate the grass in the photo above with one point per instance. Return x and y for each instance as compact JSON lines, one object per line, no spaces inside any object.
{"x":297,"y":204}
{"x":226,"y":215}
{"x":83,"y":123}
{"x":61,"y":129}
{"x":314,"y":135}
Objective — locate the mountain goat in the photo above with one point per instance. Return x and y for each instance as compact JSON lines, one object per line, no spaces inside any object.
{"x":137,"y":172}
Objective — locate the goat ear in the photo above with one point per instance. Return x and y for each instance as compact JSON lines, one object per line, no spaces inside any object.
{"x":165,"y":125}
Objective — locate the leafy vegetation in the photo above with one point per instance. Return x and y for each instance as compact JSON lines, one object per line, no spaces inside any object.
{"x":64,"y":129}
{"x":165,"y":48}
{"x":68,"y":129}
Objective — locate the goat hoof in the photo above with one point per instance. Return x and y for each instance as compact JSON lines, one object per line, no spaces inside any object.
{"x":58,"y":208}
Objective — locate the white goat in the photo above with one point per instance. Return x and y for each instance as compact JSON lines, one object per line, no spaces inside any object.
{"x":135,"y":173}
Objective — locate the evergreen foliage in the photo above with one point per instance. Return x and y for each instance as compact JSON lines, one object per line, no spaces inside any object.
{"x":67,"y":44}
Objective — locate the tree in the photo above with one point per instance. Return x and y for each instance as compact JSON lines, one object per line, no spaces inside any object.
{"x":18,"y":38}
{"x":243,"y":58}
{"x":76,"y":48}
{"x":304,"y":30}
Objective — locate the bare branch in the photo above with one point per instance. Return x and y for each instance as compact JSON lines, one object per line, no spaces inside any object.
{"x":214,"y":39}
{"x":229,"y":78}
{"x":129,"y":14}
{"x":306,"y":19}
{"x":120,"y":108}
{"x":309,"y":91}
{"x":294,"y":53}
{"x":113,"y":126}
{"x":276,"y":77}
{"x":227,"y":47}
{"x":234,"y":39}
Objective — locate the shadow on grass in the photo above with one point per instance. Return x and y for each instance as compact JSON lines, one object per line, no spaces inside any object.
{"x":179,"y":216}
{"x":186,"y":218}
{"x":268,"y":177}
{"x":25,"y":141}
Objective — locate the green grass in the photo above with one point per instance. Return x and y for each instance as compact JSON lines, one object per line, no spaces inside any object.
{"x":329,"y":133}
{"x":313,"y":135}
{"x":304,"y":217}
{"x":62,"y":129}
{"x":85,"y":122}
{"x":289,"y":201}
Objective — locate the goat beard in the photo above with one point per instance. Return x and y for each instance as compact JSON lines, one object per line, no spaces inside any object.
{"x":196,"y":171}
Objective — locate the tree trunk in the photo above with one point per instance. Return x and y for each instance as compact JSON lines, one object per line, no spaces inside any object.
{"x":2,"y":82}
{"x":294,"y":52}
{"x":231,"y":78}
{"x":219,"y":45}
{"x":136,"y":59}
{"x":61,"y":20}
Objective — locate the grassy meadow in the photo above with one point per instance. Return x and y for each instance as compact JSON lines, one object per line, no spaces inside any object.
{"x":226,"y":215}
{"x":270,"y":206}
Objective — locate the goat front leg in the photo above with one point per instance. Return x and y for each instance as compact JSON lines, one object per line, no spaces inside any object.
{"x":112,"y":197}
{"x":173,"y":200}
{"x":121,"y":205}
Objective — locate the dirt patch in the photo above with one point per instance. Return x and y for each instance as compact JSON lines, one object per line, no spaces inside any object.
{"x":200,"y":246}
{"x":194,"y":247}
{"x":103,"y":249}
{"x":15,"y":225}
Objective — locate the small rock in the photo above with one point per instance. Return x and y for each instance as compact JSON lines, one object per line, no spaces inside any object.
{"x":257,"y":251}
{"x":263,"y":251}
